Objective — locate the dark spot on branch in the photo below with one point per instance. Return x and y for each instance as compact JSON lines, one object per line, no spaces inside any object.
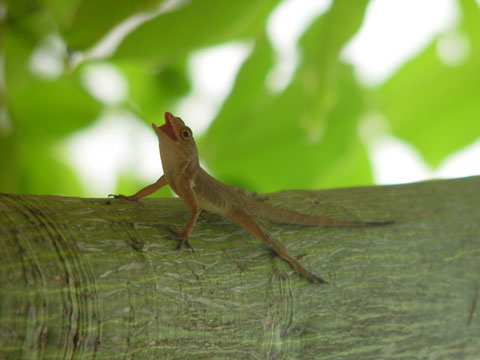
{"x":240,"y":266}
{"x":473,"y":308}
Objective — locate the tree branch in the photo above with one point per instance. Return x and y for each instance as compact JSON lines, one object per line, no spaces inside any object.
{"x":96,"y":278}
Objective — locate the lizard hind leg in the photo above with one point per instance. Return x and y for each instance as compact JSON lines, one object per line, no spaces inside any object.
{"x":185,"y":234}
{"x":246,"y":221}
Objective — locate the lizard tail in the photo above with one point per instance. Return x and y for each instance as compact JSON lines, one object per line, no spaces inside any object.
{"x":279,"y":215}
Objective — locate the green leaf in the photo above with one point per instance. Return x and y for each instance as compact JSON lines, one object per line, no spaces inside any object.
{"x":197,"y":24}
{"x":26,"y":27}
{"x":152,"y":90}
{"x":44,"y":171}
{"x":39,"y":111}
{"x":54,"y":108}
{"x":434,"y":106}
{"x":10,"y":162}
{"x":263,"y":141}
{"x":84,"y":22}
{"x":44,"y":107}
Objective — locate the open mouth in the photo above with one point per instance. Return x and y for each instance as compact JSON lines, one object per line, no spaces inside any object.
{"x":167,"y":128}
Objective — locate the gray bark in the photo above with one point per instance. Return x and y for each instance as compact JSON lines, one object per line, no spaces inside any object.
{"x":100,"y":278}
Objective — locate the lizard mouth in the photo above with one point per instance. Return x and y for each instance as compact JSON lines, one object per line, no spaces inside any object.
{"x":167,"y":128}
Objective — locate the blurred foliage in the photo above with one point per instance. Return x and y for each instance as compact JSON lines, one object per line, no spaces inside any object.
{"x":304,"y":136}
{"x":434,"y":106}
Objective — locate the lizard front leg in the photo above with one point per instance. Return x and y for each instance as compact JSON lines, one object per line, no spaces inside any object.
{"x":147,"y":190}
{"x":246,"y":221}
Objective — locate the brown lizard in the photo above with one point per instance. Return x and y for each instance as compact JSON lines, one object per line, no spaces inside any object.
{"x":201,"y":191}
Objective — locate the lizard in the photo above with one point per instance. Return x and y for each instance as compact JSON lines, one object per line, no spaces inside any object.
{"x":201,"y":191}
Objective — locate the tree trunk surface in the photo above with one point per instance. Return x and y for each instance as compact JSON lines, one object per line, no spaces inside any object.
{"x":100,"y":278}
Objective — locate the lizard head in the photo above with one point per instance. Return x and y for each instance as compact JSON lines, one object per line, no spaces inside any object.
{"x":175,"y":137}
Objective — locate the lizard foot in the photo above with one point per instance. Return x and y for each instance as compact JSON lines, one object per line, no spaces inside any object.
{"x":182,"y":239}
{"x":120,"y":196}
{"x":185,"y":242}
{"x":314,"y":279}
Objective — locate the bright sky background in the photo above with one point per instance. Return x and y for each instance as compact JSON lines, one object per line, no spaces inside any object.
{"x":119,"y":142}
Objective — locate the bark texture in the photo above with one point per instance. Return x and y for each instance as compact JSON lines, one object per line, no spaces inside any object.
{"x":100,"y":278}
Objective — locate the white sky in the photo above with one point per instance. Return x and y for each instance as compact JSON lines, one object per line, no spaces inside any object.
{"x":119,"y":142}
{"x":394,"y":31}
